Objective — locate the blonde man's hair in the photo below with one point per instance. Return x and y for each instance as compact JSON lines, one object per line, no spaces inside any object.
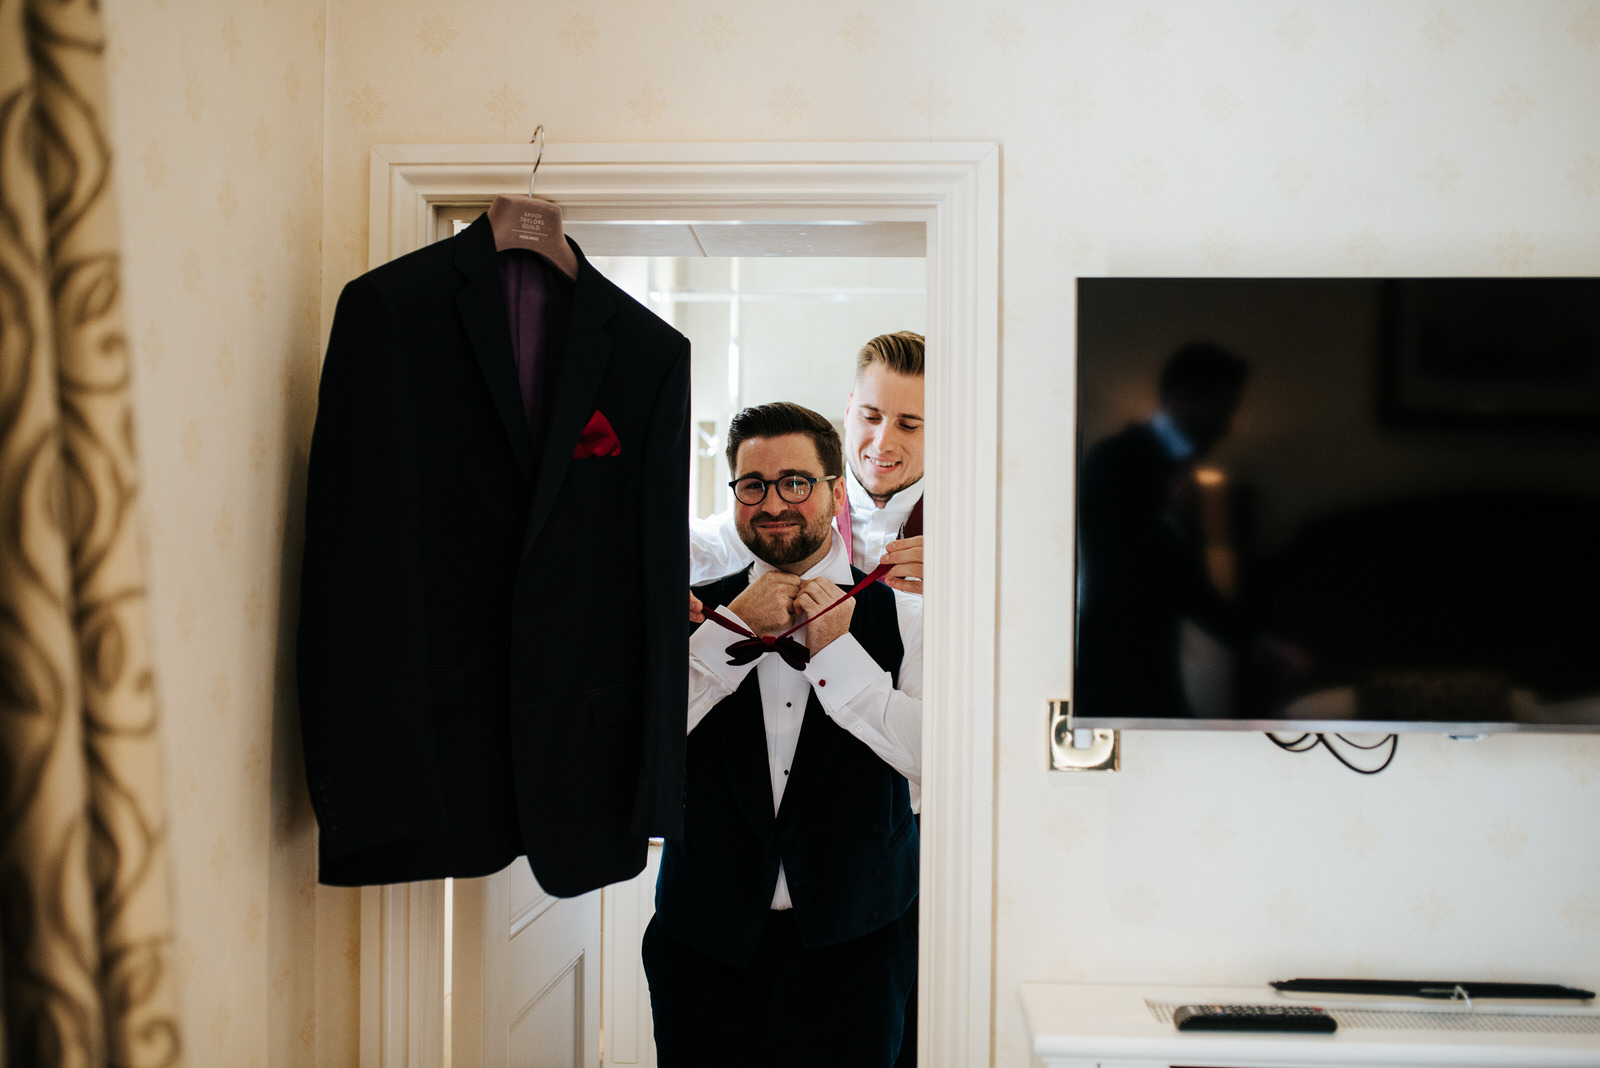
{"x":900,"y":352}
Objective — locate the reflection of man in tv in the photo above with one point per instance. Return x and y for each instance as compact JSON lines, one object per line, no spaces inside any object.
{"x":1143,"y":559}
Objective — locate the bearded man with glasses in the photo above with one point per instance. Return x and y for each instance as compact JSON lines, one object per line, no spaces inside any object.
{"x":883,"y":447}
{"x":785,"y":925}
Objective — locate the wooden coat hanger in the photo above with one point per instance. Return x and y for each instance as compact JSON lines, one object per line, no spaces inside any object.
{"x":532,"y":223}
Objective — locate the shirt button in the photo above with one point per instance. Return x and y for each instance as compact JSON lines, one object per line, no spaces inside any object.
{"x":788,"y":704}
{"x":822,"y":682}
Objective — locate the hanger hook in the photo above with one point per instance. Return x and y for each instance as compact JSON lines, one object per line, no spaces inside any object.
{"x":536,"y":139}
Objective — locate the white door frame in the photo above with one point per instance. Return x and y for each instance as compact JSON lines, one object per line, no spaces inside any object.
{"x":955,"y":189}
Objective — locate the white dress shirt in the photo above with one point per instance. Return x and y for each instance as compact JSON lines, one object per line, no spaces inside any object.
{"x":715,"y":548}
{"x":873,"y":528}
{"x":853,"y":690}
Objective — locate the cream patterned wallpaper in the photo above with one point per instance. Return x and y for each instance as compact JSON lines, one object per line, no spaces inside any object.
{"x":217,"y":124}
{"x":1204,"y":137}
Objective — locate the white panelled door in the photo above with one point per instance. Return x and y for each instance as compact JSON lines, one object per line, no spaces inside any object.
{"x":630,"y":1038}
{"x":525,"y":975}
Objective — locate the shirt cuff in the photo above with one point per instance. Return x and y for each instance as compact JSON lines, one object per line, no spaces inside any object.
{"x":840,"y":671}
{"x":708,"y":646}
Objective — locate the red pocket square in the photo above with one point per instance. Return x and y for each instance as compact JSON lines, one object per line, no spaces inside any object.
{"x":597,"y":439}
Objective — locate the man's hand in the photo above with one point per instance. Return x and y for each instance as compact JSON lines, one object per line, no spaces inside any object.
{"x":815,"y":595}
{"x":906,"y":556}
{"x":697,"y":613}
{"x":767,"y":605}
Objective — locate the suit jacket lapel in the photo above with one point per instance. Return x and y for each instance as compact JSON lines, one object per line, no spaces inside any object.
{"x":482,"y":304}
{"x":577,"y":380}
{"x":745,"y":758}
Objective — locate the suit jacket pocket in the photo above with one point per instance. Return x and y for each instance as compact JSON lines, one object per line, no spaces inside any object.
{"x":617,"y":706}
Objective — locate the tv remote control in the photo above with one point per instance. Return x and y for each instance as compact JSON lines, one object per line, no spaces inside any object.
{"x":1253,"y":1018}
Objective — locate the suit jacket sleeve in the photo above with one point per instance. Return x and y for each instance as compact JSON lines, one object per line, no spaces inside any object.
{"x":1136,"y":562}
{"x":658,"y":804}
{"x":362,"y":650}
{"x":1120,"y":495}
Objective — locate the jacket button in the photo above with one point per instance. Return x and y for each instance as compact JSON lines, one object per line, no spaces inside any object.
{"x":877,"y":828}
{"x":873,"y":915}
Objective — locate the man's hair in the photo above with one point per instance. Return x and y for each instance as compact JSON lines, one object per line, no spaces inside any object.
{"x":1201,"y":367}
{"x":776,"y":420}
{"x":900,"y":352}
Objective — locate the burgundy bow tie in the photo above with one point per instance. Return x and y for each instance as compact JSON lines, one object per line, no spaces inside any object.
{"x":794,"y":654}
{"x":742,"y":652}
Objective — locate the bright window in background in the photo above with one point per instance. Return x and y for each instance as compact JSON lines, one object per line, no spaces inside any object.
{"x":765,"y":329}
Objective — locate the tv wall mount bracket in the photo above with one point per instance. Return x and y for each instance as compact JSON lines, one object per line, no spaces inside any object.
{"x":1081,"y":748}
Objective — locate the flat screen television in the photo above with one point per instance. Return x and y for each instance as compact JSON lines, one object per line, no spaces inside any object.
{"x":1338,"y":504}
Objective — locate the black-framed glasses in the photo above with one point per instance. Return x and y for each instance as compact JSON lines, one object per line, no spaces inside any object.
{"x":792,"y":488}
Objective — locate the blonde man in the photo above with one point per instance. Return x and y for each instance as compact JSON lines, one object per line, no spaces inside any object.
{"x":883,"y":446}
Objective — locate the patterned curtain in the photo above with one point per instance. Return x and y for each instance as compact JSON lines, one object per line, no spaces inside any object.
{"x":84,"y":920}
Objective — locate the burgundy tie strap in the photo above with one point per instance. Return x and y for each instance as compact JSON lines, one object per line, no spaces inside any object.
{"x":911,"y":528}
{"x":794,"y":654}
{"x":913,"y":524}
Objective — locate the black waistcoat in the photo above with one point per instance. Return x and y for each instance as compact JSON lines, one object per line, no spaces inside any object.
{"x":843,"y":833}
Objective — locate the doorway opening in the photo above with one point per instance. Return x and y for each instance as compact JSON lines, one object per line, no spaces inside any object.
{"x":813,"y":197}
{"x":780,"y":320}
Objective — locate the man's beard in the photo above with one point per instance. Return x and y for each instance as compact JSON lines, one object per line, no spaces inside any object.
{"x":780,"y":552}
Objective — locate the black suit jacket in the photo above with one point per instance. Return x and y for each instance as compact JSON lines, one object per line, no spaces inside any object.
{"x":492,"y":633}
{"x":844,"y":833}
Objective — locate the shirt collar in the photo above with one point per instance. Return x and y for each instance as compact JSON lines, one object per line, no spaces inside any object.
{"x":1177,"y":444}
{"x":835,"y":567}
{"x":895,"y":512}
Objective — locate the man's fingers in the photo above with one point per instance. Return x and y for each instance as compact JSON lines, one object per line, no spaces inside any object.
{"x":777,"y":584}
{"x":816,"y":595}
{"x":821,"y":590}
{"x":904,"y":551}
{"x":906,"y":578}
{"x":812,"y":598}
